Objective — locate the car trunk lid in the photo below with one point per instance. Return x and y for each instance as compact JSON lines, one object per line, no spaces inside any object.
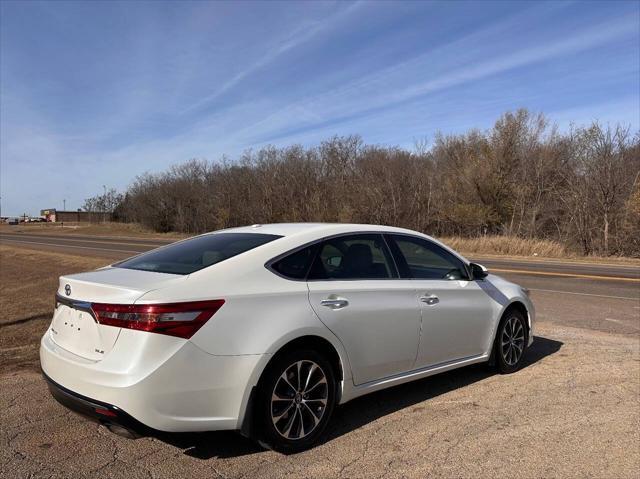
{"x":73,"y":326}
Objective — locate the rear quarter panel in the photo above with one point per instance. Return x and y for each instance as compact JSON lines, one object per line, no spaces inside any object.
{"x":262,"y":311}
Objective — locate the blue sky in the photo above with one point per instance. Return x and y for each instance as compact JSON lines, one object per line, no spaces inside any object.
{"x":94,"y":94}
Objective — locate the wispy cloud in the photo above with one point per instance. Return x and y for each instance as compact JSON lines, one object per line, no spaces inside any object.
{"x":299,"y":36}
{"x":393,"y":86}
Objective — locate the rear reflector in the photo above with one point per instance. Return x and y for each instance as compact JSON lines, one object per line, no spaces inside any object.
{"x":105,"y":412}
{"x":176,"y":319}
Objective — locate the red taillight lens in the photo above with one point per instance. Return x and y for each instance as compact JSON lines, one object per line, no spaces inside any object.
{"x":177,"y":319}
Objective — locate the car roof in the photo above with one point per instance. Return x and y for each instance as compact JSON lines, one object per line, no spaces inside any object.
{"x":321,"y":229}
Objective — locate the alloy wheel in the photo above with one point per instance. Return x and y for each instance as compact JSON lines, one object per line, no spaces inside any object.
{"x":299,"y":399}
{"x":512,"y":340}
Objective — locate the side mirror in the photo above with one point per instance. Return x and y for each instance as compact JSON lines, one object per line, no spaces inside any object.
{"x":478,"y":271}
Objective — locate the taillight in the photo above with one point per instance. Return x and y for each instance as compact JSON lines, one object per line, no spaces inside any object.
{"x":176,"y":319}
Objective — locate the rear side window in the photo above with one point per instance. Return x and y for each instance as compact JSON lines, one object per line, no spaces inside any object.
{"x":196,"y":253}
{"x":422,"y":259}
{"x":297,"y":264}
{"x":363,"y":256}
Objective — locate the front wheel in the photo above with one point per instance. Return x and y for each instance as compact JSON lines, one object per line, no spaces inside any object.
{"x":296,"y":399}
{"x":511,"y":342}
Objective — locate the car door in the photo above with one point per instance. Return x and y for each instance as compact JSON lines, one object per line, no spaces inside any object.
{"x":355,"y":291}
{"x":457,"y":315}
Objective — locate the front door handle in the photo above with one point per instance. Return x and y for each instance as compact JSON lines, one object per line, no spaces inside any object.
{"x":335,"y":303}
{"x":430,"y":300}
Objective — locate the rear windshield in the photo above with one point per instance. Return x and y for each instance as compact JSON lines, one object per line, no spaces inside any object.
{"x":193,"y":254}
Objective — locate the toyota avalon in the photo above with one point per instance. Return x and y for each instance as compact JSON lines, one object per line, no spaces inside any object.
{"x":265,"y":329}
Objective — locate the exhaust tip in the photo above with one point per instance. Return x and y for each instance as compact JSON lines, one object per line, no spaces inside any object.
{"x":121,"y":431}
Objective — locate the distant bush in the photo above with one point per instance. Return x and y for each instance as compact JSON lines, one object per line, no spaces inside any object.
{"x":520,"y":179}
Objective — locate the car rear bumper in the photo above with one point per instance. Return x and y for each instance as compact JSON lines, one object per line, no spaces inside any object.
{"x":154,"y":381}
{"x":99,"y":411}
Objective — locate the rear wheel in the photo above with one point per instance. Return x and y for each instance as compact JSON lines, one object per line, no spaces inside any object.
{"x":511,"y":342}
{"x":296,"y":399}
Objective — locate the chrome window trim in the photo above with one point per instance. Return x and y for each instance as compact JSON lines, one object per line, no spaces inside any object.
{"x":75,"y":304}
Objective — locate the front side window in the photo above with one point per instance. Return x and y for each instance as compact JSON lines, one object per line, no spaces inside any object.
{"x":196,"y":253}
{"x":422,"y":259}
{"x":363,"y":256}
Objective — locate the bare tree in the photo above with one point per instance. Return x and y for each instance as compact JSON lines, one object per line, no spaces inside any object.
{"x":522,"y":178}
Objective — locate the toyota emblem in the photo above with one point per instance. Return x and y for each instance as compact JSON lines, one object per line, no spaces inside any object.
{"x":67,"y":290}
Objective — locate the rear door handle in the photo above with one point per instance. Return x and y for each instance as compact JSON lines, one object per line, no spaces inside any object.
{"x":335,"y":303}
{"x":430,"y":300}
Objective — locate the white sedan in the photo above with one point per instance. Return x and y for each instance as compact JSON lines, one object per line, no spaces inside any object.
{"x":266,"y":328}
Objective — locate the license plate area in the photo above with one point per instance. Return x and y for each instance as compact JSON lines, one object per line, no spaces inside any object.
{"x":77,"y":332}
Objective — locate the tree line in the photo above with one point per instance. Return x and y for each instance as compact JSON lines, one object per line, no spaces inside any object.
{"x":523,"y":178}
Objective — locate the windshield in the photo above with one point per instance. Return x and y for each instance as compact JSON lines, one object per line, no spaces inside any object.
{"x":196,"y":253}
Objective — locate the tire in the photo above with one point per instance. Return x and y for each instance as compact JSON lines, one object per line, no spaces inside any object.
{"x":296,"y":398}
{"x":511,"y":342}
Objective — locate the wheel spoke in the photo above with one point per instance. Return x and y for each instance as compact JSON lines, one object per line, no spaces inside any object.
{"x":278,"y":397}
{"x":287,"y":429}
{"x":286,"y":381}
{"x":321,"y":381}
{"x":301,"y":419}
{"x":312,"y":369}
{"x":316,"y":419}
{"x":280,"y":416}
{"x":518,"y":329}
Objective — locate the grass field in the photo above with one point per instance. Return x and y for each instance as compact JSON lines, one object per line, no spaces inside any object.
{"x":26,"y":274}
{"x":125,"y":230}
{"x":29,"y":280}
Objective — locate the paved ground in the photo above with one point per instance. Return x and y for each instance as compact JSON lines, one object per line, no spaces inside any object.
{"x":574,"y":411}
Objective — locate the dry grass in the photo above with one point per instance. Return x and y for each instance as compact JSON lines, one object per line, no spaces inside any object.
{"x":29,"y":279}
{"x":508,"y":246}
{"x":522,"y":247}
{"x":124,"y":230}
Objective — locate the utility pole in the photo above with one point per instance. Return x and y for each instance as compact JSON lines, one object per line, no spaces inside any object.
{"x":64,"y":205}
{"x":104,"y":204}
